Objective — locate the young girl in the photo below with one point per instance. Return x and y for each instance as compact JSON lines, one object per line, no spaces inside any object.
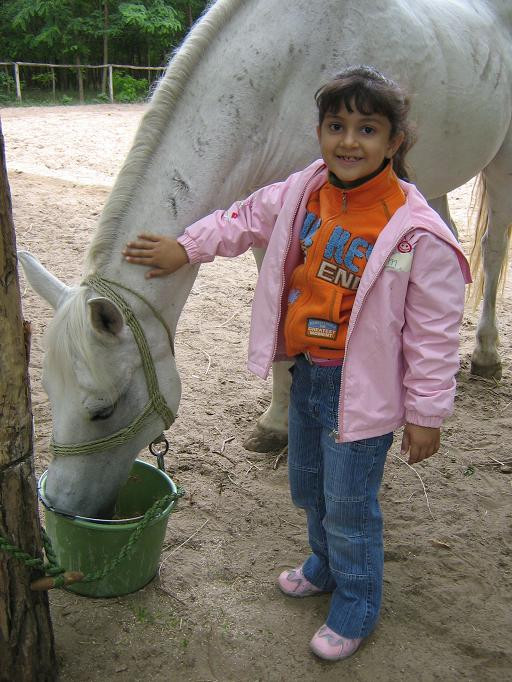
{"x":363,"y":285}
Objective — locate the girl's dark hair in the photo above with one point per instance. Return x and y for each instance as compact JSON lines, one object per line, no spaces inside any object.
{"x":370,"y":92}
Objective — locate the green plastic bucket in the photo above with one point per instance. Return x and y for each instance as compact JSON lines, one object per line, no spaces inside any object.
{"x":87,"y":545}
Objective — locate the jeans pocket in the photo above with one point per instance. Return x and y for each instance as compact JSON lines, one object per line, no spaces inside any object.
{"x":354,"y":470}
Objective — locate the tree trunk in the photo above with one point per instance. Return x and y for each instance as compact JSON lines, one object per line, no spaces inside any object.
{"x":27,"y":649}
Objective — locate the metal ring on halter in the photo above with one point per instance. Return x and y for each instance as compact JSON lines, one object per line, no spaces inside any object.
{"x":159,"y":452}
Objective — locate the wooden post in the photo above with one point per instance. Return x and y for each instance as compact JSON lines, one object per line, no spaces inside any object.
{"x":53,"y":83}
{"x":80,"y":80}
{"x":17,"y":80}
{"x":27,"y":651}
{"x":110,"y":83}
{"x":105,"y":47}
{"x":7,"y":79}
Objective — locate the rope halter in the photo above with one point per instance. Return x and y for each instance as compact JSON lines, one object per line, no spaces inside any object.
{"x":156,"y":401}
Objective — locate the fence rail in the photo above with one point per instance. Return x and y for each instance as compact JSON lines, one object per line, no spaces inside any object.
{"x":109,"y":68}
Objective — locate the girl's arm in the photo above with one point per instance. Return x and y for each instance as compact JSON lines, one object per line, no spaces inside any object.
{"x":433,"y":312}
{"x":245,"y":224}
{"x":230,"y":233}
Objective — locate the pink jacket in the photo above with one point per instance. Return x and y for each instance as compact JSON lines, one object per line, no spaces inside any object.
{"x":401,"y":355}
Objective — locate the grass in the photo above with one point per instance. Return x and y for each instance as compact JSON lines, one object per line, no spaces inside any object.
{"x":40,"y":98}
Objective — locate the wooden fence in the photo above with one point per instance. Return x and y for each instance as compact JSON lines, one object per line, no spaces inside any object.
{"x":108,"y":67}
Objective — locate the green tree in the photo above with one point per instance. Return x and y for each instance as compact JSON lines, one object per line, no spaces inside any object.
{"x":45,"y":28}
{"x":153,"y":22}
{"x":190,"y":10}
{"x":95,"y":30}
{"x":136,"y":32}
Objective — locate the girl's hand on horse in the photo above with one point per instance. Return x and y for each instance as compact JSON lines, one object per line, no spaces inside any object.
{"x":163,"y":255}
{"x":420,"y":442}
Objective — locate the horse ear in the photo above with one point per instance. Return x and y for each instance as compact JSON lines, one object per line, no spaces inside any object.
{"x":43,"y":282}
{"x":105,"y":316}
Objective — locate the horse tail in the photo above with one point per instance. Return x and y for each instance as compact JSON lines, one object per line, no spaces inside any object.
{"x":479,"y":216}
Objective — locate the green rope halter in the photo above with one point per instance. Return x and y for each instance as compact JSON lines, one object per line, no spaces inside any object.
{"x":156,"y":400}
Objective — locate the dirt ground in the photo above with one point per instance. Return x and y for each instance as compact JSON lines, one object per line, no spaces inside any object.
{"x":214,"y":613}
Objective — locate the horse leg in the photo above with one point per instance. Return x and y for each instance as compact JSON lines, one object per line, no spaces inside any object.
{"x":485,"y":360}
{"x":440,"y":205}
{"x":271,"y":430}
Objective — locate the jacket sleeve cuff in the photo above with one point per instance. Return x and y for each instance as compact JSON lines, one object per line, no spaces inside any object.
{"x":193,"y":253}
{"x":413,"y":417}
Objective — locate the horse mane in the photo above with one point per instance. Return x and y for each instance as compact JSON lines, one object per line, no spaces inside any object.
{"x":68,"y":338}
{"x":154,"y":122}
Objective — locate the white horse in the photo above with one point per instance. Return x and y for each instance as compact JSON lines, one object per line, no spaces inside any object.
{"x":233,"y":112}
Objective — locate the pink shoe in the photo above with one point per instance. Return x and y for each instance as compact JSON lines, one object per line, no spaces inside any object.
{"x":332,"y":647}
{"x":293,"y":583}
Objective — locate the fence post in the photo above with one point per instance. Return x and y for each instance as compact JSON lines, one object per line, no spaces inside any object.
{"x":80,"y":79}
{"x":110,"y":83}
{"x":17,"y":80}
{"x":53,"y":83}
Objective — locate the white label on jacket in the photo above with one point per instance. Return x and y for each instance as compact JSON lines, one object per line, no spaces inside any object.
{"x":399,"y":261}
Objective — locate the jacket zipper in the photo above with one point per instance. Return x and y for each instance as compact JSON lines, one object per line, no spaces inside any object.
{"x":336,"y":433}
{"x":290,"y":233}
{"x":308,"y":293}
{"x":344,"y":201}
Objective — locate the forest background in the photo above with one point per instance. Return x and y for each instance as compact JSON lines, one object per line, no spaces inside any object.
{"x":79,"y":32}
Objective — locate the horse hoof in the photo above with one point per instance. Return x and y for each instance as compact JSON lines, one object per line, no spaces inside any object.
{"x":487,"y":371}
{"x":262,"y":440}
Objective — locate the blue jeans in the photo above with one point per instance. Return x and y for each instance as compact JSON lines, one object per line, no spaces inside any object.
{"x":337,"y":484}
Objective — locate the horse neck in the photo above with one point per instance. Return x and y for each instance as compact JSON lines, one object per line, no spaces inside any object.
{"x":217,"y":140}
{"x":151,"y":301}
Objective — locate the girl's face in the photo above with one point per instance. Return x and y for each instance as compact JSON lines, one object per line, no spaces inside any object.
{"x":354,"y":145}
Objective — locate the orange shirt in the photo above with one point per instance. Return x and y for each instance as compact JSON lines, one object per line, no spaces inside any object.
{"x":337,"y":238}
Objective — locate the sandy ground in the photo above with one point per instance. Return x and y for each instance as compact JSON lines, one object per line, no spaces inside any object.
{"x":214,"y":614}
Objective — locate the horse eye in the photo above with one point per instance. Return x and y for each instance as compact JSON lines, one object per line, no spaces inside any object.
{"x":105,"y":413}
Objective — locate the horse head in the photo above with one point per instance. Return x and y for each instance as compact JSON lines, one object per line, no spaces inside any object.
{"x":110,"y":395}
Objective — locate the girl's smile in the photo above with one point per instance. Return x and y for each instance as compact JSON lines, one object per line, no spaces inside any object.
{"x":354,"y":145}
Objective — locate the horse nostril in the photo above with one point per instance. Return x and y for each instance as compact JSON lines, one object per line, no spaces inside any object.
{"x":105,"y":413}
